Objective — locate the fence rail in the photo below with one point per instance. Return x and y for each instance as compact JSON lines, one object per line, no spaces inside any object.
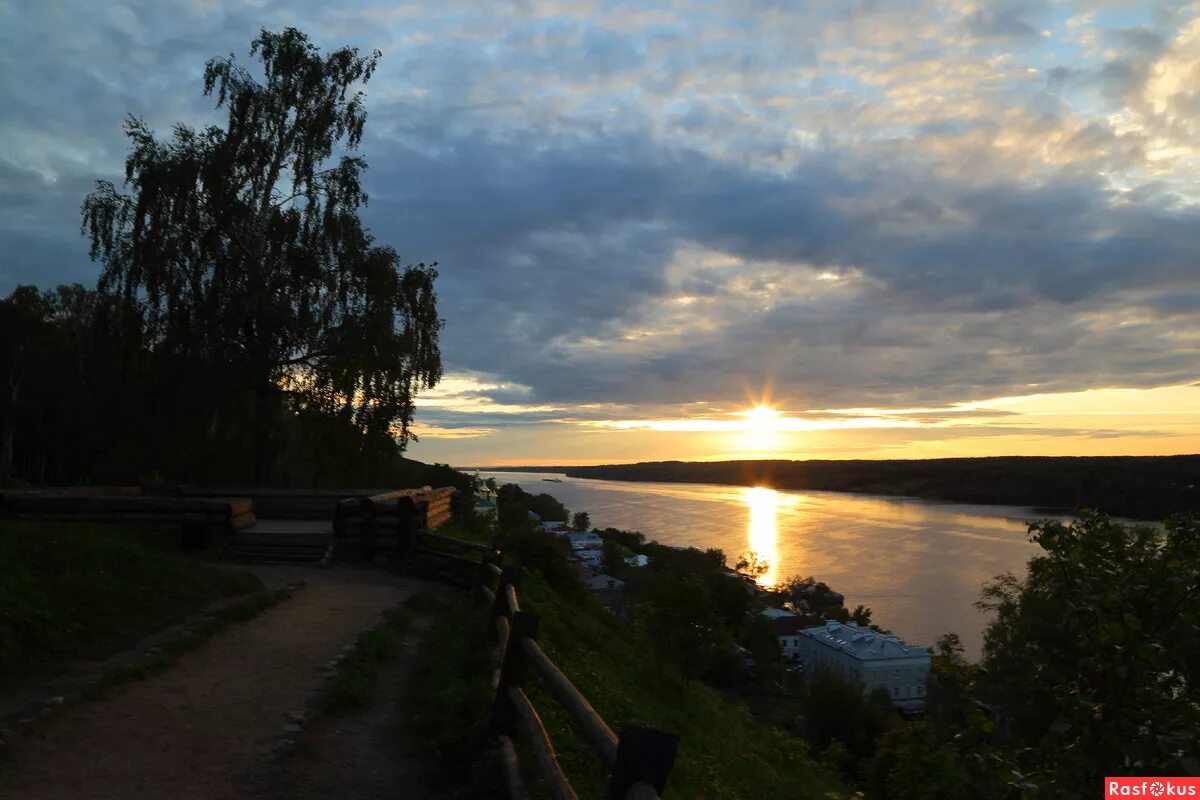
{"x":638,"y":761}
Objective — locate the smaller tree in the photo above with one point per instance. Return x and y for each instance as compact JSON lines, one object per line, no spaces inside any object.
{"x":681,"y":623}
{"x":1094,"y":656}
{"x":613,"y":559}
{"x":751,"y":565}
{"x":581,"y":521}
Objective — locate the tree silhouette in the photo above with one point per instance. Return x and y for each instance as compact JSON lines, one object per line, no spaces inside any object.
{"x":239,"y":258}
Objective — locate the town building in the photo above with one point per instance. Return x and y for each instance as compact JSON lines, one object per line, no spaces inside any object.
{"x":875,"y":660}
{"x":776,"y":613}
{"x":787,"y":628}
{"x":583,"y":540}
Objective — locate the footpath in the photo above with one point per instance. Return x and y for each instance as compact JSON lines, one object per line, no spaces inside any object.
{"x":208,"y":727}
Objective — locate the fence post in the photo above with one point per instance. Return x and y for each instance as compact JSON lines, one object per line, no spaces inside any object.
{"x":513,"y":670}
{"x":644,"y":755}
{"x":500,"y":603}
{"x":493,"y":556}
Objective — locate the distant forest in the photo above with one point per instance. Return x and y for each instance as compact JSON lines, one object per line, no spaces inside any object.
{"x":1139,"y":487}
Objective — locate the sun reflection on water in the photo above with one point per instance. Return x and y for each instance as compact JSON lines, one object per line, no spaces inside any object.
{"x":763,"y":533}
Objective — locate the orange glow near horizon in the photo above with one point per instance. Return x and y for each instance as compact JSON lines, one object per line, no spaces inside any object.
{"x":1108,"y":421}
{"x":761,"y":428}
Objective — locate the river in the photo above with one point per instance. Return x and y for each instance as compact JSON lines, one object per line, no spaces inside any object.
{"x":918,"y":565}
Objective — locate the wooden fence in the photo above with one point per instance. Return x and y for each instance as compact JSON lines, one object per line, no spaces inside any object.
{"x":638,"y":761}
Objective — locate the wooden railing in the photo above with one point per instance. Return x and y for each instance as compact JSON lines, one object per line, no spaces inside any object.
{"x":638,"y":761}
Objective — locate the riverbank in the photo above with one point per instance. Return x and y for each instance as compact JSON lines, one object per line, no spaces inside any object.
{"x":919,"y":565}
{"x":1135,"y":487}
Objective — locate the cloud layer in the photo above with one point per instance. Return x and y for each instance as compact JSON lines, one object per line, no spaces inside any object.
{"x":660,"y":210}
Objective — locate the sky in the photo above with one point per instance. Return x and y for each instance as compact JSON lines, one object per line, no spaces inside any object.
{"x":910,"y":229}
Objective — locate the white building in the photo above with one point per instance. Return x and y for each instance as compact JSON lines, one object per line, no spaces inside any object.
{"x":584,"y":540}
{"x":873,"y":659}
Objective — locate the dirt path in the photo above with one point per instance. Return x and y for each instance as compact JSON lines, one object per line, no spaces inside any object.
{"x":360,"y":755}
{"x":200,"y":729}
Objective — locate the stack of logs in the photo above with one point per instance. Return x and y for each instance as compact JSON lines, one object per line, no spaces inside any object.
{"x":389,"y":521}
{"x":311,"y":504}
{"x":198,"y":518}
{"x":438,"y":508}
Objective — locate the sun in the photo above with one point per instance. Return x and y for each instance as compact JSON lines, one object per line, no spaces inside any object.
{"x":761,"y":428}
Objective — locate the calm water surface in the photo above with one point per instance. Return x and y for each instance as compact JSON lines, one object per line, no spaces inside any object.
{"x":918,"y":565}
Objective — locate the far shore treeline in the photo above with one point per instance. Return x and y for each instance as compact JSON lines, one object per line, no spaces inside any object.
{"x":245,"y":327}
{"x":1138,"y":487}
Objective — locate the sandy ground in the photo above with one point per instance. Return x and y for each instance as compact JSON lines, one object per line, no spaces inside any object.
{"x":204,"y":728}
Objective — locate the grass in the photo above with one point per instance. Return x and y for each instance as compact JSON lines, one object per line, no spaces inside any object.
{"x":70,"y":592}
{"x":349,"y":688}
{"x":451,"y":696}
{"x":723,"y":753}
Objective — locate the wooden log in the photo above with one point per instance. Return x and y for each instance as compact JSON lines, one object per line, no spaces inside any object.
{"x":510,"y":594}
{"x":488,"y":595}
{"x":240,"y":522}
{"x":435,"y":537}
{"x":437,"y":522}
{"x":509,"y":576}
{"x":543,"y":749}
{"x":64,"y":504}
{"x":513,"y":670}
{"x":595,"y":730}
{"x":502,"y":629}
{"x":395,"y":496}
{"x":188,"y":490}
{"x":512,"y":770}
{"x":494,"y":569}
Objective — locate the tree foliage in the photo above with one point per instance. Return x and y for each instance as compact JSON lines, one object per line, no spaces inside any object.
{"x":1093,"y":659}
{"x":238,"y":263}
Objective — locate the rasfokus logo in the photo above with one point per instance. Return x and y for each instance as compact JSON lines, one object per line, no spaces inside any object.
{"x":1151,"y":787}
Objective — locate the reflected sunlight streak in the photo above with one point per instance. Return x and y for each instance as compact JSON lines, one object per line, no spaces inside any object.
{"x":763,"y":531}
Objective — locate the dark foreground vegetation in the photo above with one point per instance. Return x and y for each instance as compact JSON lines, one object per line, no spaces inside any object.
{"x":1139,"y":487}
{"x":74,"y":591}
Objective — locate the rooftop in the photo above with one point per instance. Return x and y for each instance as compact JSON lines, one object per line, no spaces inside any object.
{"x":789,"y":625}
{"x":863,"y":643}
